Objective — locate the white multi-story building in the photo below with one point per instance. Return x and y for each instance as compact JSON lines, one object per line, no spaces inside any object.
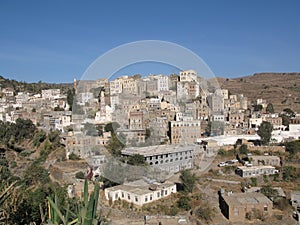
{"x":224,"y":93}
{"x":21,"y":97}
{"x":153,"y":104}
{"x":216,"y":102}
{"x":255,"y":122}
{"x":170,"y":158}
{"x":188,"y":75}
{"x":216,"y":117}
{"x":182,"y":90}
{"x":114,"y":101}
{"x":185,"y":131}
{"x":50,"y":93}
{"x":116,"y":86}
{"x":162,"y":83}
{"x":130,"y":85}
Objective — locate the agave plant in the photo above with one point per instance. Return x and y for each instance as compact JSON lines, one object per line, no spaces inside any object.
{"x":5,"y":192}
{"x":86,"y":213}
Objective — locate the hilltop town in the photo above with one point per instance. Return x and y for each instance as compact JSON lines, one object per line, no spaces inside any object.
{"x":178,"y":149}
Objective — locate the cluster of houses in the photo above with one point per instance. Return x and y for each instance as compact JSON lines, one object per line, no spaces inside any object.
{"x":163,"y":118}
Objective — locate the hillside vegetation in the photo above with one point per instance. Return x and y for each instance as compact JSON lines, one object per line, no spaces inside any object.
{"x":35,"y":88}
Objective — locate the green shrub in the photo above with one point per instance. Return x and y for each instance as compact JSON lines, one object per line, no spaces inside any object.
{"x":80,"y":175}
{"x":13,"y":164}
{"x":184,"y":202}
{"x":73,"y":156}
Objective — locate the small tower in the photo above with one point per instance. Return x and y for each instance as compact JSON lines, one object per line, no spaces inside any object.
{"x":75,"y":84}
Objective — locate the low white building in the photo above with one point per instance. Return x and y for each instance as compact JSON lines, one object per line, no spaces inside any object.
{"x":253,"y":171}
{"x":140,"y":192}
{"x":294,"y":128}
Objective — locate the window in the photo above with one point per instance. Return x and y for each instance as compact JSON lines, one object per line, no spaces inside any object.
{"x":122,"y":194}
{"x":136,"y":198}
{"x":128,"y":196}
{"x":158,"y":194}
{"x":146,"y":199}
{"x":265,"y":208}
{"x":236,"y":211}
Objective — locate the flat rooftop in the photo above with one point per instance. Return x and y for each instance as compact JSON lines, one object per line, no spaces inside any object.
{"x":262,"y":157}
{"x":252,"y":198}
{"x":140,"y":189}
{"x":250,"y":168}
{"x":157,"y":149}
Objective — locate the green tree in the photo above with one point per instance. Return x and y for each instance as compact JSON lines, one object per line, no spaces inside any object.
{"x":270,"y":108}
{"x":184,"y":202}
{"x":293,"y":147}
{"x":73,"y":156}
{"x":205,"y":213}
{"x":290,"y":173}
{"x":270,"y":192}
{"x":36,"y":174}
{"x":70,"y":97}
{"x":290,"y":113}
{"x":265,"y":132}
{"x":80,"y":175}
{"x":39,"y":138}
{"x":258,"y":108}
{"x":286,"y":116}
{"x":116,"y":144}
{"x":243,"y":149}
{"x":111,"y":127}
{"x":285,"y":120}
{"x":188,"y":180}
{"x":136,"y":160}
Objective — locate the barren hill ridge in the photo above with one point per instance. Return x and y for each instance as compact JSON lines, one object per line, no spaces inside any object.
{"x":281,"y":89}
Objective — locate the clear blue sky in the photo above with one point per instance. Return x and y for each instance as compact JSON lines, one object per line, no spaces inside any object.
{"x":55,"y":41}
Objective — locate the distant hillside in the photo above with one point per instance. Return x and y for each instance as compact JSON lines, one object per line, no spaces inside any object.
{"x":281,"y":89}
{"x":20,"y":86}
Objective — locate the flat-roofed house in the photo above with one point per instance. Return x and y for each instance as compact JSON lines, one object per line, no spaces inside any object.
{"x":252,"y":171}
{"x":140,"y":192}
{"x":236,"y":206}
{"x":260,"y":160}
